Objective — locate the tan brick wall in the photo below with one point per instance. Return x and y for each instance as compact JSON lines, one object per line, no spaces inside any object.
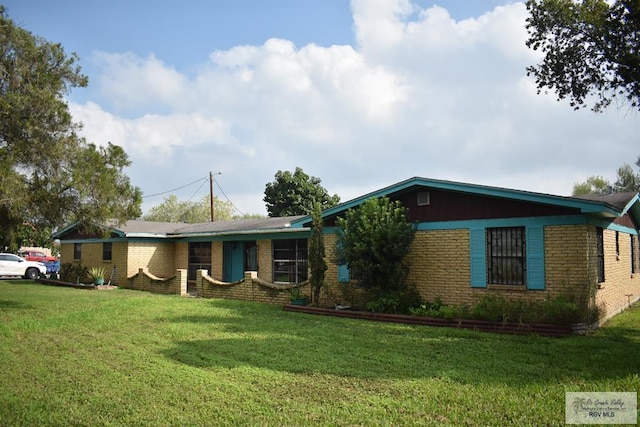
{"x":145,"y":281}
{"x":265,"y":266}
{"x":217,"y":260}
{"x":620,"y":287}
{"x":440,"y":266}
{"x":66,"y":253}
{"x":158,"y":257}
{"x":247,"y":290}
{"x":181,"y":255}
{"x":567,"y":259}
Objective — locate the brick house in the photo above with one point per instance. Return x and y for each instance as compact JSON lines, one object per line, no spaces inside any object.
{"x":471,"y":240}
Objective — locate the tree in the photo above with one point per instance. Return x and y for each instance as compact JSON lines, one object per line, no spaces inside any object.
{"x":590,"y":47}
{"x":296,"y":194}
{"x":627,"y":181}
{"x":173,"y":210}
{"x":593,"y":185}
{"x":373,"y":241}
{"x":317,"y":263}
{"x":51,"y":176}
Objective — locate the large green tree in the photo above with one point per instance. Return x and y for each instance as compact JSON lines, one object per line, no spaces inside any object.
{"x":295,"y":194}
{"x":174,"y":210}
{"x":373,"y":241}
{"x":50,"y":175}
{"x":589,"y":47}
{"x":626,"y":181}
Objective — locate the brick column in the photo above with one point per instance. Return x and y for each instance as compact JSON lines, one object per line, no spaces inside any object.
{"x":181,"y":282}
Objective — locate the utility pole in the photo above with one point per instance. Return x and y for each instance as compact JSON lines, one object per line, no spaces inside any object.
{"x":211,"y":193}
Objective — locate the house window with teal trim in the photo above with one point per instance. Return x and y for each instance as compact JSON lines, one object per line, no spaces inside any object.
{"x":107,"y":251}
{"x":506,"y":256}
{"x":290,"y":261}
{"x":600,"y":253}
{"x":77,"y":251}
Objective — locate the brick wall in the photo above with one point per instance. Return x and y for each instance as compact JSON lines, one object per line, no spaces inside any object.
{"x":158,"y":257}
{"x":217,"y":260}
{"x":620,"y":287}
{"x":265,"y":266}
{"x":250,"y":288}
{"x":146,"y":281}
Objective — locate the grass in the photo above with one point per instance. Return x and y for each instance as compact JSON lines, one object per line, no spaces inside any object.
{"x":115,"y":358}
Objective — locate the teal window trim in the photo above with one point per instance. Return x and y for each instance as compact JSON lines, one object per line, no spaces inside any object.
{"x":344,"y":275}
{"x":535,"y":258}
{"x":477,"y":250}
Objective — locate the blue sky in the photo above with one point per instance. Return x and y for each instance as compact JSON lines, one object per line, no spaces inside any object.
{"x":361,"y":94}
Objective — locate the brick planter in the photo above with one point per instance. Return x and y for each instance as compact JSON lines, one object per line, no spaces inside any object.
{"x":476,"y":325}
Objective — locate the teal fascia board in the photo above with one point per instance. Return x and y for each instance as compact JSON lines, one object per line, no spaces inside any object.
{"x":609,"y":225}
{"x":117,"y":240}
{"x":58,"y":234}
{"x":244,"y":237}
{"x":504,"y":222}
{"x":633,"y":208}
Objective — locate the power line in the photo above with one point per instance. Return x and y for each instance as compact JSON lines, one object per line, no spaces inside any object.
{"x":227,"y":197}
{"x":179,"y":188}
{"x":196,"y":192}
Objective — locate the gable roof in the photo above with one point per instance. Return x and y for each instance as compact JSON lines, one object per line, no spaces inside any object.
{"x":244,"y":226}
{"x":607,"y":207}
{"x":155,"y":229}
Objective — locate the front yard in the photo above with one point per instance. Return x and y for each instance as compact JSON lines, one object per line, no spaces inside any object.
{"x":120,"y":357}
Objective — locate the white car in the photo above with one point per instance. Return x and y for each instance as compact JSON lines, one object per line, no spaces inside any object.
{"x":13,"y":265}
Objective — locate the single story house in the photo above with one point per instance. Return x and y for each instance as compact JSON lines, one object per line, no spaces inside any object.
{"x":471,"y":240}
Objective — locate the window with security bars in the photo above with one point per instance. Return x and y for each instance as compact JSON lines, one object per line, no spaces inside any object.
{"x":290,"y":261}
{"x":506,"y":256}
{"x":600,"y":252}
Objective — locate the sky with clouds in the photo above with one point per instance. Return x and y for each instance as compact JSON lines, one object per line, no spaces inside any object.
{"x":360,"y":94}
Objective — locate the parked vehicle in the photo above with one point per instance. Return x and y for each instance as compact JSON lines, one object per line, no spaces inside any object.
{"x":37,"y":256}
{"x":13,"y":265}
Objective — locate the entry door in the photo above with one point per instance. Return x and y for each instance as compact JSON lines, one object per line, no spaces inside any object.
{"x":233,"y":253}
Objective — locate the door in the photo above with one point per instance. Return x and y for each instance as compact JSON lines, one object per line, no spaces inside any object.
{"x":238,"y":258}
{"x":233,"y":254}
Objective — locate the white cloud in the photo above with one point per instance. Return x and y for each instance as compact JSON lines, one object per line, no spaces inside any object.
{"x":421,"y":94}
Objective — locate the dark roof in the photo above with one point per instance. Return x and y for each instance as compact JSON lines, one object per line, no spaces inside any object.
{"x":244,"y":225}
{"x":617,"y":200}
{"x":152,"y":227}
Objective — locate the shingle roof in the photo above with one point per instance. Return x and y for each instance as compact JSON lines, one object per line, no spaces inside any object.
{"x":152,"y":227}
{"x":617,"y":200}
{"x":251,"y":224}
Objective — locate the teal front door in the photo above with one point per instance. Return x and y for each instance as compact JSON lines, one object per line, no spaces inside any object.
{"x":233,"y":254}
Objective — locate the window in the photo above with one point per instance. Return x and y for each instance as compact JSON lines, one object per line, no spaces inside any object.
{"x":506,"y":256}
{"x":424,"y":198}
{"x":77,"y":251}
{"x":290,"y":261}
{"x":199,"y":258}
{"x":617,"y":245}
{"x":634,"y":256}
{"x":107,"y":251}
{"x":600,"y":253}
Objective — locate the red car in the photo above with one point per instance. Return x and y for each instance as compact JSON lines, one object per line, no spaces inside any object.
{"x":36,"y":256}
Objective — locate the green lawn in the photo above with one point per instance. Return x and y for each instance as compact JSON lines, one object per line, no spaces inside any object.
{"x":78,"y":357}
